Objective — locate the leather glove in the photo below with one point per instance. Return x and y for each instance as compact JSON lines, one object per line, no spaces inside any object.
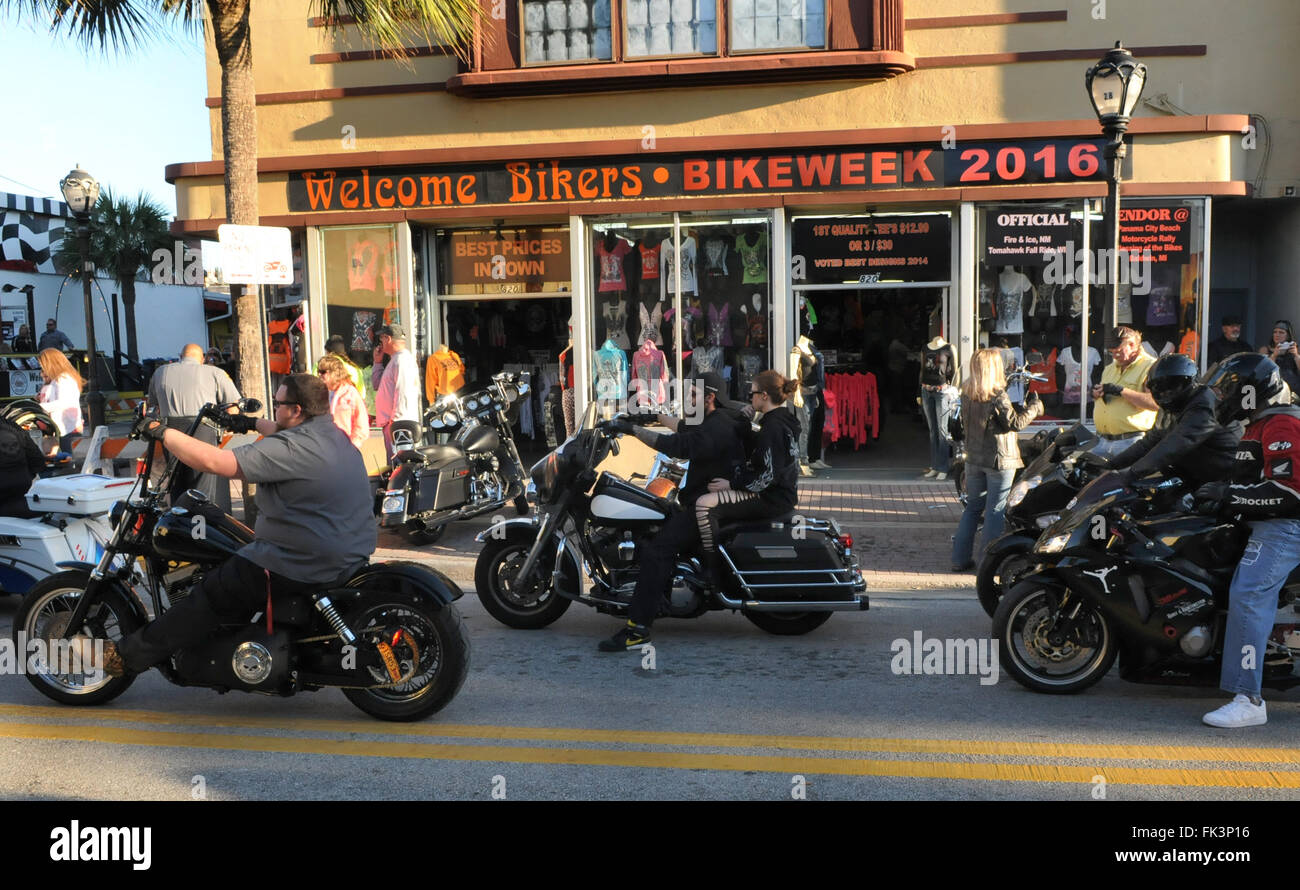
{"x":642,"y":418}
{"x":1209,"y":499}
{"x":623,"y":424}
{"x":1111,"y":389}
{"x":240,"y":423}
{"x":149,"y":427}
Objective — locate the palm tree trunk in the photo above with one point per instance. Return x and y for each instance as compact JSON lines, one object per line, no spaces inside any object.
{"x":127,"y":283}
{"x":233,"y":37}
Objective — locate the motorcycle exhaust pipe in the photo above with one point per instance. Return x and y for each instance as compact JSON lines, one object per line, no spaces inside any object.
{"x":857,"y":604}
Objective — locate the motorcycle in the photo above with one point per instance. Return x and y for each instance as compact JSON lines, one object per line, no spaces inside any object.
{"x":1128,"y":572}
{"x":387,"y":634}
{"x":1037,"y":499}
{"x":477,"y":472}
{"x":786,"y":575}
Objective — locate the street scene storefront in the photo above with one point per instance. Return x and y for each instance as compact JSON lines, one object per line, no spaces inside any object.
{"x":612,"y":277}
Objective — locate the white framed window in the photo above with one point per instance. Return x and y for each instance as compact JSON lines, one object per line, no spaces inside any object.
{"x":565,"y":31}
{"x":657,"y":28}
{"x":766,"y":25}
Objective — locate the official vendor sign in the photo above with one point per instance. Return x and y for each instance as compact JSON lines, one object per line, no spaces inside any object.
{"x":544,"y":180}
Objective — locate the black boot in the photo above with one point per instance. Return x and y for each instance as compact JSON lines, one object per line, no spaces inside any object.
{"x":712,"y":564}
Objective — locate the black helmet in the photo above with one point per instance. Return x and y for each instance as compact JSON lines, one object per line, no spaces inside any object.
{"x":1172,"y":381}
{"x":1244,"y":383}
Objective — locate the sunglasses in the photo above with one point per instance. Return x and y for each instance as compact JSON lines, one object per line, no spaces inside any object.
{"x":276,"y":403}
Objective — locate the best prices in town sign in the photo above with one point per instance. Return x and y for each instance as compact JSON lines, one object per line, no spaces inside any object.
{"x":538,"y":181}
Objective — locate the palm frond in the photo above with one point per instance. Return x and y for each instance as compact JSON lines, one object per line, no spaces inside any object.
{"x":116,"y":25}
{"x":389,"y":24}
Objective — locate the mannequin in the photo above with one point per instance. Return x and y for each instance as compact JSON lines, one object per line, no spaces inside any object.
{"x":938,"y":397}
{"x":566,"y":384}
{"x":444,"y":373}
{"x":649,"y":376}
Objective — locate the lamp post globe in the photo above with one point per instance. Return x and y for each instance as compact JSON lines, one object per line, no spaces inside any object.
{"x":80,"y":192}
{"x":1114,"y":87}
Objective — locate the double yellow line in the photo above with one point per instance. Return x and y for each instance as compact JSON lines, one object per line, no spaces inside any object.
{"x":429,"y":741}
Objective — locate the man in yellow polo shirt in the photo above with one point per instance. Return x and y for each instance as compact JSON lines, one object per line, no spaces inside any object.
{"x":1124,"y":410}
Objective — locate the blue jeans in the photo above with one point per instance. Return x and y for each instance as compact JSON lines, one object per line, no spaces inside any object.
{"x":1272,"y":552}
{"x":986,"y":491}
{"x":937,"y":407}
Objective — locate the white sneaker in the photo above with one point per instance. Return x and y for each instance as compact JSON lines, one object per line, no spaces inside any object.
{"x":1241,"y":711}
{"x":820,"y":465}
{"x":939,"y":477}
{"x":929,"y":474}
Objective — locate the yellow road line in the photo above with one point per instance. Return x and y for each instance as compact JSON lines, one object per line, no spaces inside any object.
{"x":1180,"y":753}
{"x":661,"y":760}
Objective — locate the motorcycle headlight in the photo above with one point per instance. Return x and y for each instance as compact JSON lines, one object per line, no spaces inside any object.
{"x":394,"y":502}
{"x":1054,"y":544}
{"x":1046,"y":519}
{"x":1021,"y":488}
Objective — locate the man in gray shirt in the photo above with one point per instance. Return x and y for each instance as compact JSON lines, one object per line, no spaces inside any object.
{"x":53,"y":338}
{"x":314,"y":525}
{"x":178,"y":392}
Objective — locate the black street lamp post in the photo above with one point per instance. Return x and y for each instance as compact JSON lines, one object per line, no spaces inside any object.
{"x":81,"y":191}
{"x":1114,"y":86}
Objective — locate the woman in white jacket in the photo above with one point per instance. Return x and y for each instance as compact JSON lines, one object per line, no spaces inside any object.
{"x":61,"y":395}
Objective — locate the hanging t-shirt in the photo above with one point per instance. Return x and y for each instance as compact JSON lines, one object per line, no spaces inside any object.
{"x":667,"y":274}
{"x":689,"y":315}
{"x":1190,"y":346}
{"x":713,"y":263}
{"x":1162,"y":307}
{"x":610,"y":371}
{"x":1073,"y":385}
{"x":649,"y":261}
{"x":1124,"y":307}
{"x":615,"y":315}
{"x":705,"y":359}
{"x":1012,"y":288}
{"x":611,"y":265}
{"x":719,"y":329}
{"x":1047,"y":368}
{"x":363,"y":266}
{"x":650,"y":322}
{"x":753,"y":258}
{"x":444,"y":373}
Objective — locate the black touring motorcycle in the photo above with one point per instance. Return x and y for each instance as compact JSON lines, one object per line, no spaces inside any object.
{"x":786,"y":575}
{"x":387,"y":634}
{"x":477,"y":472}
{"x":1129,"y":571}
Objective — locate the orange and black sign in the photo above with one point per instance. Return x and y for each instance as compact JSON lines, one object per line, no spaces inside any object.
{"x":618,"y":179}
{"x":533,"y":256}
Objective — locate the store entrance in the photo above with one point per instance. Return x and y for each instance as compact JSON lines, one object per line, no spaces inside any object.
{"x":519,"y":334}
{"x":871,"y":341}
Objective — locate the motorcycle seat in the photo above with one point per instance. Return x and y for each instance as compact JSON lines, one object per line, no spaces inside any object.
{"x":427,"y":454}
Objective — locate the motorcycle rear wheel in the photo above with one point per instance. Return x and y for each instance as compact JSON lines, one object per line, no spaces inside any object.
{"x":443,"y":660}
{"x":46,"y":607}
{"x":1030,"y":649}
{"x":788,"y":624}
{"x":995,"y":578}
{"x":494,"y":575}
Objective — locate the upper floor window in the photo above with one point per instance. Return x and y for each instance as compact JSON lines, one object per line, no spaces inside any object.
{"x":762,"y":25}
{"x":670,"y":28}
{"x":566,"y":31}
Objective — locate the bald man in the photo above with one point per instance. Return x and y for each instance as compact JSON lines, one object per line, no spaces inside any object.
{"x":178,"y":391}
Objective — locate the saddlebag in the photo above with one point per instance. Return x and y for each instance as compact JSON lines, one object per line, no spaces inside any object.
{"x":798,"y":560}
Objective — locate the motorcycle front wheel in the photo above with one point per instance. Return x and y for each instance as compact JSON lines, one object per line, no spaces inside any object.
{"x":996,"y":577}
{"x":43,"y":616}
{"x":431,"y":648}
{"x":525,"y":607}
{"x":788,"y":624}
{"x":1044,"y":649}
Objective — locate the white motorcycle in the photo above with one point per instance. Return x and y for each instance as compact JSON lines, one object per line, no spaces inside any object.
{"x":72,"y":525}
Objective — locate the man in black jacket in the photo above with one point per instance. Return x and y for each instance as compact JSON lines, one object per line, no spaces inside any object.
{"x":713,"y":446}
{"x":1187,"y":439}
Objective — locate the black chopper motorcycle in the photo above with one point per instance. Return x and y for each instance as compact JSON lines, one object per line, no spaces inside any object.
{"x":387,"y":634}
{"x":1045,"y":486}
{"x":477,"y":472}
{"x":785,"y":575}
{"x":1129,"y":572}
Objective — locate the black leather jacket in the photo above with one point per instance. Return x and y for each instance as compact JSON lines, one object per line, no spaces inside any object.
{"x":1191,"y":444}
{"x":991,"y":428}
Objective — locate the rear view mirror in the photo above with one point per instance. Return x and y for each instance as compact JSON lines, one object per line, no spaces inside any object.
{"x":249,"y":406}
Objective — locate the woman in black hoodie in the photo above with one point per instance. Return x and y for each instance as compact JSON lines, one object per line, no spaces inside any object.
{"x":765,"y":485}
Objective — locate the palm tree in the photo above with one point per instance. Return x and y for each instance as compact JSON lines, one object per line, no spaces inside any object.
{"x":123,"y":24}
{"x":124,"y":233}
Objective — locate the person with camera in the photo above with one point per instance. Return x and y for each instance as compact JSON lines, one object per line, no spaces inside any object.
{"x":314,"y":518}
{"x":713,"y":445}
{"x":1282,"y":351}
{"x":1187,"y":440}
{"x":1264,"y":489}
{"x":1123,"y":408}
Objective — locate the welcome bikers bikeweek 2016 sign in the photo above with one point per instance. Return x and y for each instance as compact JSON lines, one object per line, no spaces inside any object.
{"x":691,"y":175}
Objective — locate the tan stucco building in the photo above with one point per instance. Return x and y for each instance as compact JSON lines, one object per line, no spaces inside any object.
{"x":908,"y":169}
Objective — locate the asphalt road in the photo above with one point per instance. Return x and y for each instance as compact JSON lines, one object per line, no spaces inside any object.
{"x":728,"y":712}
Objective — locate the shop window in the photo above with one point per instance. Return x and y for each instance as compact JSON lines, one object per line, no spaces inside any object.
{"x":1031,"y":304}
{"x":649,"y":334}
{"x":361,"y":290}
{"x":670,"y":28}
{"x":566,"y":31}
{"x":766,"y":25}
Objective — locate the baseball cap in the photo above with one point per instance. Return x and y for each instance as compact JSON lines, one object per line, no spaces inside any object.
{"x":396,"y":331}
{"x":713,"y":383}
{"x":1230,"y":320}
